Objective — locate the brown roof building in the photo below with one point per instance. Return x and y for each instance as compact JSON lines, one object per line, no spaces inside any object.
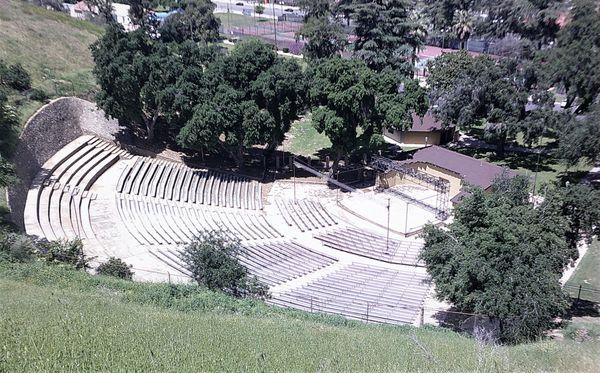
{"x":425,"y":130}
{"x":459,"y":169}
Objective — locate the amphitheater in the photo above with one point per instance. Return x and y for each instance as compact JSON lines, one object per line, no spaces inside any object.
{"x":317,"y":249}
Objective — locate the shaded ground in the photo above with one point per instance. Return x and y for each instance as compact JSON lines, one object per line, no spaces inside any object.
{"x":303,"y":139}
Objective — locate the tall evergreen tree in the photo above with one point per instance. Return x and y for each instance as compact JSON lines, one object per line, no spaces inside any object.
{"x":385,"y":37}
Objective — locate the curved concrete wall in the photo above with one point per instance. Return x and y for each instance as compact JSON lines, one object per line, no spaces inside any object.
{"x":47,"y":131}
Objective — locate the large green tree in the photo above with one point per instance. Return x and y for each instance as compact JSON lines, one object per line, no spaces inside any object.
{"x":534,"y":20}
{"x":580,"y":205}
{"x":444,"y":14}
{"x":574,"y":62}
{"x":579,"y":139}
{"x":346,"y":95}
{"x":255,"y":97}
{"x":503,"y":258}
{"x":196,"y":21}
{"x":147,"y":83}
{"x":385,"y":37}
{"x":466,"y":90}
{"x":324,"y":37}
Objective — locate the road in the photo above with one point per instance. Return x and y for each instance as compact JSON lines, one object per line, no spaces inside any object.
{"x":271,"y":10}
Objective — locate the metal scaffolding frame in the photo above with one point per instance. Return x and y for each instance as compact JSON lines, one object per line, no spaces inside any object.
{"x":439,"y":185}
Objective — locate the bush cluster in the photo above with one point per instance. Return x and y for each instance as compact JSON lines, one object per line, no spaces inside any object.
{"x":14,"y":76}
{"x":213,"y":261}
{"x":20,"y":248}
{"x":115,"y":267}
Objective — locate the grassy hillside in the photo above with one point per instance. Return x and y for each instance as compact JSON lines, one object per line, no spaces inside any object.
{"x":81,"y":322}
{"x":52,"y":46}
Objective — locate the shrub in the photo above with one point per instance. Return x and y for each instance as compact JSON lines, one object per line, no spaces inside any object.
{"x":16,"y":77}
{"x":115,"y":267}
{"x":38,"y":95}
{"x":213,"y":262}
{"x":286,"y":50}
{"x":15,"y":247}
{"x":67,"y":252}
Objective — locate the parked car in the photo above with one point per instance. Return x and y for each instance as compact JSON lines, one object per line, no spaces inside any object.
{"x":239,"y":4}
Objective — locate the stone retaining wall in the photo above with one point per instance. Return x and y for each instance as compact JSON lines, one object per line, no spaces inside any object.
{"x":46,"y":132}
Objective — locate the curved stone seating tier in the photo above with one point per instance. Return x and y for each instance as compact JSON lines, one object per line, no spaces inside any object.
{"x":171,"y":258}
{"x":154,"y":221}
{"x":362,"y":292}
{"x":176,"y":182}
{"x":58,"y":201}
{"x":271,"y":263}
{"x":360,"y":242}
{"x":305,"y":214}
{"x":277,"y":262}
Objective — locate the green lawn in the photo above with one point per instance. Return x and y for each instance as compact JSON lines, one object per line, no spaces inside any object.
{"x":587,"y":274}
{"x":304,"y":138}
{"x":54,"y":319}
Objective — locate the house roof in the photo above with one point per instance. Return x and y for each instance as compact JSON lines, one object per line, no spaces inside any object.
{"x":82,"y":6}
{"x":427,"y":123}
{"x":473,"y":171}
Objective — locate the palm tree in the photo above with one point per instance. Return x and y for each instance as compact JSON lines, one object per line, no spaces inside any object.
{"x":463,"y":26}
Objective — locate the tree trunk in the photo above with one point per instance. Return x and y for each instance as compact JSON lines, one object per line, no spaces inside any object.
{"x":151,"y":126}
{"x":239,"y":158}
{"x":336,"y":162}
{"x":462,"y":44}
{"x":500,"y":147}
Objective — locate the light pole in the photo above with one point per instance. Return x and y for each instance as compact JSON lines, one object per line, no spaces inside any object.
{"x":229,"y":17}
{"x":274,"y":22}
{"x":294,"y":179}
{"x":406,"y":219}
{"x":387,"y":238}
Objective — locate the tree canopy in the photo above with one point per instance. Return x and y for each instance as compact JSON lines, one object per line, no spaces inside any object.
{"x":346,"y":95}
{"x":579,"y":139}
{"x":534,"y":20}
{"x":148,"y":83}
{"x":503,"y":258}
{"x":324,"y":35}
{"x":466,"y":90}
{"x":573,"y":62}
{"x":254,"y":97}
{"x":195,"y":21}
{"x":385,"y":35}
{"x":213,"y":262}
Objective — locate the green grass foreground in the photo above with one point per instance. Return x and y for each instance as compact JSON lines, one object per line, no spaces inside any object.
{"x":53,"y":318}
